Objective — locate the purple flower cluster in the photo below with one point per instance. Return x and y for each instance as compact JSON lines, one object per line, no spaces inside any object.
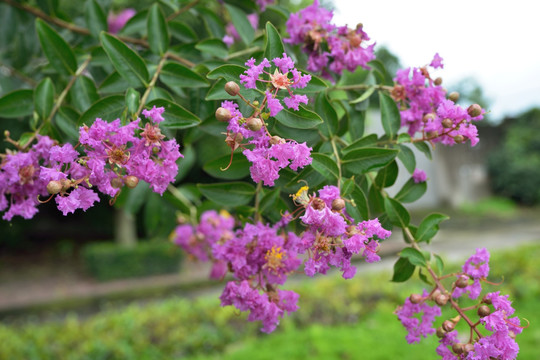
{"x":417,"y":328}
{"x":425,"y":109}
{"x":329,"y":240}
{"x":117,"y":21}
{"x":20,"y":179}
{"x":330,"y":48}
{"x":419,"y":176}
{"x":476,"y":268}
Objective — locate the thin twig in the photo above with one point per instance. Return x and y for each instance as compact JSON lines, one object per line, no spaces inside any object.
{"x":151,"y":84}
{"x":183,"y":10}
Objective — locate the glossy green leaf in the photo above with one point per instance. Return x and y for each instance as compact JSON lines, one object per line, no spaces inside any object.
{"x":228,"y":194}
{"x":241,"y":23}
{"x":137,"y":25}
{"x":182,"y":32}
{"x":126,"y":61}
{"x":439,"y":263}
{"x":315,"y":85}
{"x":17,"y":104}
{"x":360,"y":202}
{"x":158,"y":33}
{"x":387,"y":176}
{"x":217,"y":91}
{"x":44,"y":98}
{"x":411,"y":191}
{"x":429,"y":227}
{"x":176,"y":117}
{"x":414,"y":256}
{"x":238,"y":169}
{"x":366,"y":141}
{"x":114,"y":83}
{"x":363,"y":160}
{"x":356,"y":121}
{"x":268,"y":201}
{"x":404,"y":138}
{"x":66,"y":120}
{"x":176,"y":75}
{"x":301,"y":119}
{"x":133,"y":100}
{"x":407,"y":158}
{"x":324,"y":165}
{"x":398,"y":215}
{"x":403,"y":270}
{"x":324,"y":109}
{"x":83,"y":93}
{"x":56,"y":49}
{"x":391,"y":120}
{"x":214,"y":47}
{"x":108,"y":108}
{"x":228,"y":72}
{"x":424,"y":147}
{"x":274,"y":45}
{"x":365,"y":95}
{"x":96,"y":20}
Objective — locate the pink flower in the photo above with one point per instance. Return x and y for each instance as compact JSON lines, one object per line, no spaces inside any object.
{"x":419,"y":176}
{"x":117,"y":21}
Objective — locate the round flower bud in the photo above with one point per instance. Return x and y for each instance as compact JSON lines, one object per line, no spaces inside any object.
{"x":66,"y":184}
{"x":474,"y":110}
{"x":318,"y":204}
{"x":447,"y":123}
{"x":416,"y":298}
{"x":338,"y":204}
{"x":256,"y":103}
{"x":435,"y":293}
{"x":276,"y":140}
{"x":438,"y":81}
{"x":54,"y":187}
{"x":428,"y":117}
{"x":453,"y":96}
{"x":254,"y":124}
{"x":223,"y":114}
{"x":462,"y":281}
{"x":117,"y":183}
{"x":484,"y":310}
{"x":457,"y":348}
{"x":131,"y":181}
{"x":512,"y":334}
{"x":432,"y":134}
{"x":232,"y":88}
{"x":352,"y":230}
{"x":448,"y":325}
{"x":440,"y":332}
{"x":467,"y":348}
{"x":7,"y":133}
{"x":486,"y":300}
{"x":441,"y":300}
{"x":459,"y":139}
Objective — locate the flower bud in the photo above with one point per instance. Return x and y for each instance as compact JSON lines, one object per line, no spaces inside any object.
{"x":254,"y":124}
{"x":223,"y":114}
{"x":484,"y":310}
{"x":428,"y":117}
{"x":117,"y":183}
{"x":232,"y":88}
{"x":448,"y":325}
{"x":457,"y":348}
{"x":441,"y":300}
{"x":66,"y":184}
{"x":438,"y":81}
{"x":453,"y":96}
{"x":462,"y":282}
{"x":447,"y":123}
{"x":54,"y":187}
{"x":338,"y":204}
{"x":467,"y":348}
{"x":435,"y":293}
{"x":256,"y":103}
{"x":276,"y":140}
{"x":474,"y":110}
{"x":7,"y":133}
{"x":459,"y":139}
{"x":432,"y":134}
{"x":486,"y":300}
{"x":416,"y":298}
{"x":131,"y":181}
{"x":318,"y":204}
{"x":512,"y":334}
{"x":440,"y":332}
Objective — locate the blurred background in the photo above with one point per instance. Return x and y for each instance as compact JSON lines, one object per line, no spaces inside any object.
{"x":75,"y":286}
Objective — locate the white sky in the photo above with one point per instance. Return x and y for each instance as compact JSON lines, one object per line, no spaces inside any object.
{"x":496,"y":42}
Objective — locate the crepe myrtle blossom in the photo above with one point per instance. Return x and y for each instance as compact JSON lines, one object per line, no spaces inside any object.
{"x":116,"y":22}
{"x":418,"y":328}
{"x":331,"y":48}
{"x":424,"y":108}
{"x":476,"y":268}
{"x":419,"y":176}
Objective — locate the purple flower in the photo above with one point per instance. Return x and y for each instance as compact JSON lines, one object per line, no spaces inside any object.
{"x":78,"y":198}
{"x":154,"y":114}
{"x":117,"y":21}
{"x":437,"y":62}
{"x":274,"y":105}
{"x":417,"y":328}
{"x":419,"y":176}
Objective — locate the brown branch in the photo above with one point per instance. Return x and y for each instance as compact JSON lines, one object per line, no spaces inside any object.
{"x":183,"y":10}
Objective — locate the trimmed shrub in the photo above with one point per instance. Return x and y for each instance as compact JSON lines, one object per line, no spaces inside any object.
{"x":108,"y":261}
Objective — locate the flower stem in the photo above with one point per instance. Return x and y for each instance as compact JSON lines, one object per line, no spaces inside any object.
{"x":151,"y":85}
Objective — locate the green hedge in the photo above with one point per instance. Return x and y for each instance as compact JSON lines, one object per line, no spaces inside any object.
{"x":108,"y":261}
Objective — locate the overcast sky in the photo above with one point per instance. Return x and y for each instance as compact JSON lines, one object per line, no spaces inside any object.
{"x":496,"y":42}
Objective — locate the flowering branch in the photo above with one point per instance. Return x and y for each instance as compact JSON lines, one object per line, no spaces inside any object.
{"x":151,"y":84}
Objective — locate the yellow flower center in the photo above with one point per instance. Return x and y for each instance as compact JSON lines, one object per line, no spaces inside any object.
{"x":279,"y":80}
{"x":274,"y":258}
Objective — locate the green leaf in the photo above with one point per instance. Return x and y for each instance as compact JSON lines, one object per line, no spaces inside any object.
{"x":176,"y":117}
{"x":56,"y":49}
{"x":360,"y":202}
{"x":181,"y":31}
{"x":44,"y":98}
{"x":439,"y":263}
{"x":96,"y":20}
{"x":363,"y":160}
{"x":108,"y":108}
{"x":268,"y":201}
{"x":387,"y":176}
{"x":429,"y":227}
{"x":364,"y":96}
{"x":398,"y":215}
{"x":391,"y":120}
{"x":133,"y":100}
{"x":229,"y":72}
{"x":17,"y":104}
{"x":301,"y":119}
{"x":83,"y":93}
{"x":175,"y":75}
{"x":114,"y":83}
{"x":228,"y":194}
{"x":324,"y":108}
{"x":423,"y":147}
{"x":315,"y":85}
{"x":407,"y":158}
{"x":274,"y":46}
{"x":66,"y":120}
{"x":403,"y":270}
{"x":414,"y":256}
{"x":324,"y":165}
{"x":241,"y":23}
{"x":239,"y":168}
{"x":158,"y":32}
{"x":404,"y":138}
{"x":214,"y":47}
{"x":411,"y":191}
{"x":217,"y":91}
{"x":366,"y":141}
{"x":136,"y":197}
{"x":126,"y":61}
